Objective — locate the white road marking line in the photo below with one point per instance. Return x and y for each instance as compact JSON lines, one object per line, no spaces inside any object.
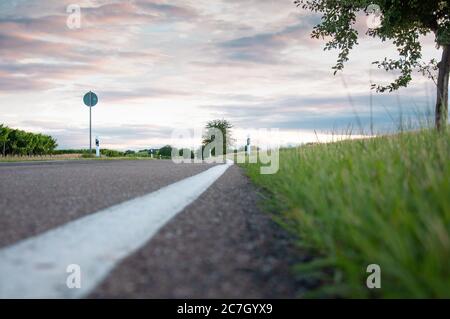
{"x":36,"y":267}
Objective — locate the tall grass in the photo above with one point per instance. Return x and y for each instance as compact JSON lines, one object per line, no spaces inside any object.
{"x":384,"y":201}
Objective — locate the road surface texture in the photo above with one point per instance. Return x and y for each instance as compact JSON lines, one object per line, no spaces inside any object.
{"x":219,"y":246}
{"x":35,"y":197}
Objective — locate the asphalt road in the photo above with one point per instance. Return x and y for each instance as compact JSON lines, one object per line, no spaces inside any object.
{"x":219,"y":246}
{"x":35,"y":197}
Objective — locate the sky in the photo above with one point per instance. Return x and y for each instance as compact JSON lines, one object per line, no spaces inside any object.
{"x":162,"y":65}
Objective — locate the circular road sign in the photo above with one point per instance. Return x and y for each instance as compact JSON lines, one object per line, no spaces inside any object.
{"x":90,"y":99}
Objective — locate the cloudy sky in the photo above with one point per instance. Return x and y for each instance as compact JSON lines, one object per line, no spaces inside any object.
{"x":157,"y":65}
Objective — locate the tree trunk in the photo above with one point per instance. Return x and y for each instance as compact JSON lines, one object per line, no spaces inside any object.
{"x":442,"y":89}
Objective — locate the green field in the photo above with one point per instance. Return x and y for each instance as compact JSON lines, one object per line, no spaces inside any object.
{"x":384,"y":201}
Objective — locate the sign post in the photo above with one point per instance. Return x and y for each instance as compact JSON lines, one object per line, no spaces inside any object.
{"x":97,"y":147}
{"x":90,"y":99}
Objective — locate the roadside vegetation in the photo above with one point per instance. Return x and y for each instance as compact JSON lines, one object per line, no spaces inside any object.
{"x":384,"y":200}
{"x":20,"y":143}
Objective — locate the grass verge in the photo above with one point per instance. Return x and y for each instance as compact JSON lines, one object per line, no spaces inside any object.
{"x":382,"y":201}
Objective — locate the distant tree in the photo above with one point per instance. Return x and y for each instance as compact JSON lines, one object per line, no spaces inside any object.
{"x":39,"y":145}
{"x":18,"y":142}
{"x":402,"y":22}
{"x":186,"y":153}
{"x":50,"y":144}
{"x":225,"y":127}
{"x":4,"y":133}
{"x":165,"y":151}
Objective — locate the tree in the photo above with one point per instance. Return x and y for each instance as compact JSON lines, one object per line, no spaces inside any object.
{"x":224,"y":127}
{"x":165,"y":151}
{"x":186,"y":153}
{"x":50,"y":144}
{"x":403,"y":21}
{"x":4,"y":133}
{"x":17,"y":142}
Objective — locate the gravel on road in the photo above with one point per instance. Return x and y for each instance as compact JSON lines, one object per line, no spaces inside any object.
{"x":221,"y":246}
